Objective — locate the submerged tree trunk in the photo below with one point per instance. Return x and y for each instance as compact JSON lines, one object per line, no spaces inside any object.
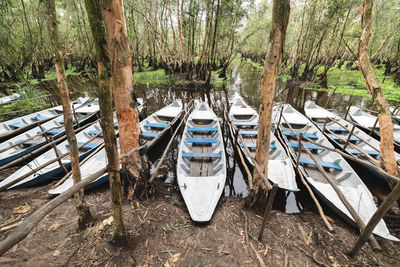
{"x":375,"y":89}
{"x":106,"y":111}
{"x":125,"y":104}
{"x":83,"y":210}
{"x":280,"y":19}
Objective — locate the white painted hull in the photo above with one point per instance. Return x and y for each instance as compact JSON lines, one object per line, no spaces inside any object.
{"x":201,"y":193}
{"x":347,"y":179}
{"x":280,"y":168}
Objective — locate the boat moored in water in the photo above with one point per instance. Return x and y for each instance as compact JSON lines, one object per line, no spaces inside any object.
{"x":356,"y":193}
{"x":280,"y":168}
{"x":201,"y":165}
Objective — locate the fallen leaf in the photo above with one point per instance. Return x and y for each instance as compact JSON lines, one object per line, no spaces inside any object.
{"x":307,"y":239}
{"x":330,"y":219}
{"x":22,"y":209}
{"x":266,"y":249}
{"x":56,"y":253}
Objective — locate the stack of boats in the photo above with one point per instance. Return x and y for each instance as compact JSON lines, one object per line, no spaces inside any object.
{"x":201,"y":163}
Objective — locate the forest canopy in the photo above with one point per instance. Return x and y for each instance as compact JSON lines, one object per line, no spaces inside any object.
{"x":192,"y":37}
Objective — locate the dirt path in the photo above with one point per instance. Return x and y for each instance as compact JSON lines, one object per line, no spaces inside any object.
{"x":163,"y":234}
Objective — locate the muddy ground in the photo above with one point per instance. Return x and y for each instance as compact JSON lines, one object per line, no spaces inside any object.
{"x":161,"y":233}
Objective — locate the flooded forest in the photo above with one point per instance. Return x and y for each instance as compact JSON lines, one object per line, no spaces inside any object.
{"x":200,"y":133}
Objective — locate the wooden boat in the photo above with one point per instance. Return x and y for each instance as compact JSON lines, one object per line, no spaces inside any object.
{"x":55,"y":130}
{"x":201,"y":166}
{"x":55,"y":169}
{"x":280,"y":168}
{"x":347,"y":179}
{"x":367,"y":122}
{"x":99,"y":160}
{"x":154,"y":124}
{"x":9,"y":99}
{"x":342,"y":129}
{"x":19,"y":125}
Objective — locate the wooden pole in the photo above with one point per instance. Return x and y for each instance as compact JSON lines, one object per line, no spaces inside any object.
{"x":29,"y":223}
{"x":169,"y":145}
{"x":316,"y":202}
{"x":268,"y":210}
{"x":375,"y":219}
{"x":50,"y":139}
{"x":356,"y":148}
{"x":240,"y":152}
{"x":373,"y":128}
{"x":62,"y":180}
{"x":11,"y":183}
{"x":349,"y":137}
{"x":339,"y":192}
{"x":42,"y":148}
{"x":330,"y":97}
{"x":348,"y":109}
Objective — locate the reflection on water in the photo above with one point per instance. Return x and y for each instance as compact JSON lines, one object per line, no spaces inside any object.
{"x":245,"y":82}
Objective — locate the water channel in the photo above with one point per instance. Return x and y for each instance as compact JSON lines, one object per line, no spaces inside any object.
{"x":245,"y":81}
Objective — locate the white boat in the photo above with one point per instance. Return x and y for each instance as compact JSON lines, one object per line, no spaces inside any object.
{"x":56,"y":130}
{"x":99,"y":160}
{"x":154,"y":124}
{"x":318,"y":115}
{"x":347,"y":179}
{"x":54,"y":169}
{"x":201,"y":166}
{"x":9,"y":99}
{"x":368,"y":120}
{"x":280,"y":168}
{"x":18,"y":125}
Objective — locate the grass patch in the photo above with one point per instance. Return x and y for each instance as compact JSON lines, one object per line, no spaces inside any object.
{"x":155,"y":77}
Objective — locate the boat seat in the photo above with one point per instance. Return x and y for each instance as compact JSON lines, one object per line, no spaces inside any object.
{"x":239,"y":124}
{"x":95,"y":132}
{"x":335,"y":128}
{"x":200,"y":155}
{"x":88,"y":146}
{"x":308,"y":135}
{"x":248,"y":132}
{"x":352,"y":138}
{"x":149,"y":134}
{"x":370,"y":152}
{"x":53,"y":131}
{"x":202,"y":129}
{"x":201,"y":140}
{"x":38,"y":118}
{"x":309,"y":146}
{"x":344,"y":177}
{"x":325,"y":164}
{"x":17,"y":125}
{"x":156,"y":125}
{"x":271,"y":146}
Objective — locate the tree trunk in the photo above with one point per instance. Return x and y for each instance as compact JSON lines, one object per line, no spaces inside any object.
{"x":106,"y":111}
{"x":375,"y":89}
{"x":280,"y":19}
{"x":126,"y":107}
{"x":210,"y":62}
{"x":83,"y":210}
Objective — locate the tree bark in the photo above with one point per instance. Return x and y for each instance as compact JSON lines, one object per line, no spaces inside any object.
{"x":280,"y":19}
{"x":83,"y":210}
{"x":378,"y":97}
{"x":126,"y":107}
{"x":106,"y":111}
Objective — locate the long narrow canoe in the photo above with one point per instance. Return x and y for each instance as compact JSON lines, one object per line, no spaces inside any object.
{"x":342,"y":129}
{"x":201,"y":166}
{"x":55,"y":169}
{"x":336,"y":167}
{"x":9,"y":99}
{"x":19,"y":125}
{"x":99,"y":160}
{"x":56,"y":130}
{"x":280,"y":169}
{"x":368,"y":120}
